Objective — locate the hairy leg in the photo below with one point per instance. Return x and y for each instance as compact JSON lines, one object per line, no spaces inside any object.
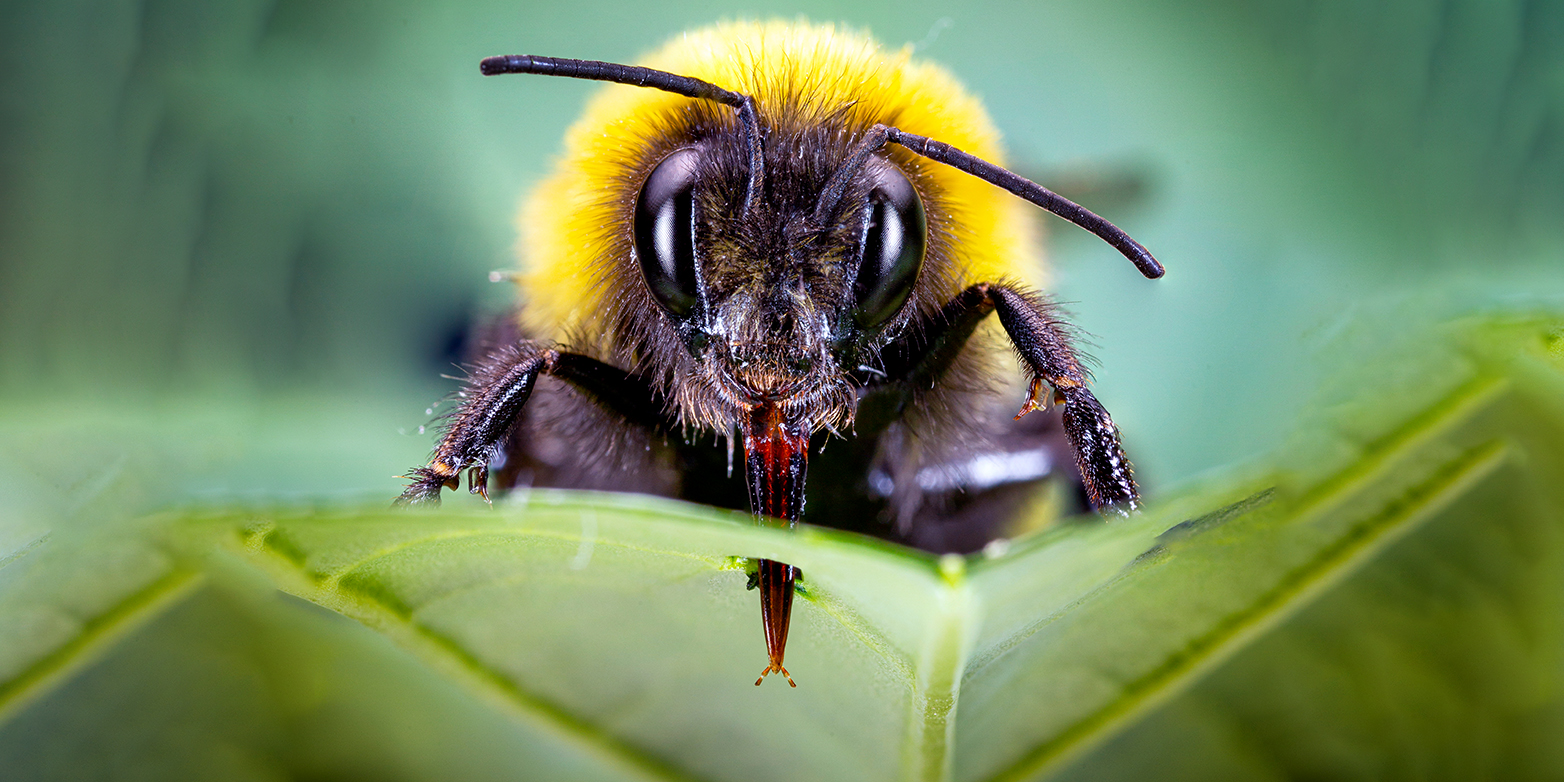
{"x":1043,"y":344}
{"x":492,"y":401}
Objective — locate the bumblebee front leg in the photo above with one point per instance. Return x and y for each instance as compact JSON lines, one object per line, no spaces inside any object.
{"x":1043,"y":345}
{"x":492,"y":400}
{"x":1045,"y":348}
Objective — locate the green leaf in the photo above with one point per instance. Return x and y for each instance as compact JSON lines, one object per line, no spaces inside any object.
{"x":568,"y":635}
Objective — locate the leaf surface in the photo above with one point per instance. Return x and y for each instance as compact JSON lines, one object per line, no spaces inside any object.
{"x":612,"y":636}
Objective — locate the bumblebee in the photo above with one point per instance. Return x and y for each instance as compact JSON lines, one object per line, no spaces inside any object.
{"x":781,"y":235}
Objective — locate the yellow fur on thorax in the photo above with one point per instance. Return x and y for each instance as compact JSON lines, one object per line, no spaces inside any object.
{"x":564,"y":219}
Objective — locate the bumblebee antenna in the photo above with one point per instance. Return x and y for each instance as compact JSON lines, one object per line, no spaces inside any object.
{"x":877,"y":137}
{"x":880,"y":135}
{"x":637,"y":76}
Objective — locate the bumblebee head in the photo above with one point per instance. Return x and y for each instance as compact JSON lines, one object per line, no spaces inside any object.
{"x":776,"y":294}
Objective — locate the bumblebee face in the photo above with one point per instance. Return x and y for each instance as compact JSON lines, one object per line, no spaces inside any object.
{"x":775,"y":301}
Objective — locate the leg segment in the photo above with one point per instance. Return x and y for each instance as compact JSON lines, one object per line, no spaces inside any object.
{"x":1043,"y":345}
{"x":493,"y":398}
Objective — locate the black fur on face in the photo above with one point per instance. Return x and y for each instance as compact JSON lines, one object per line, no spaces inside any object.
{"x":776,"y":316}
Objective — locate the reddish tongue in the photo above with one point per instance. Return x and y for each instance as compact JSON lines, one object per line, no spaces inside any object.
{"x":776,"y":458}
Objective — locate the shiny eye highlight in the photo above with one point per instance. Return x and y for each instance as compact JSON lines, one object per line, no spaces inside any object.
{"x":665,"y":232}
{"x":894,"y":235}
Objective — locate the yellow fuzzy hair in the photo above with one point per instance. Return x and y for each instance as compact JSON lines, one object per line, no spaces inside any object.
{"x":772,"y":62}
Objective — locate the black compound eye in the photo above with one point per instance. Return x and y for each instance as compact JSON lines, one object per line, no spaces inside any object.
{"x":665,"y":232}
{"x":893,"y":240}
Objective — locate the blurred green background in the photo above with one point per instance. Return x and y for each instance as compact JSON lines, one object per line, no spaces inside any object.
{"x":240,"y":242}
